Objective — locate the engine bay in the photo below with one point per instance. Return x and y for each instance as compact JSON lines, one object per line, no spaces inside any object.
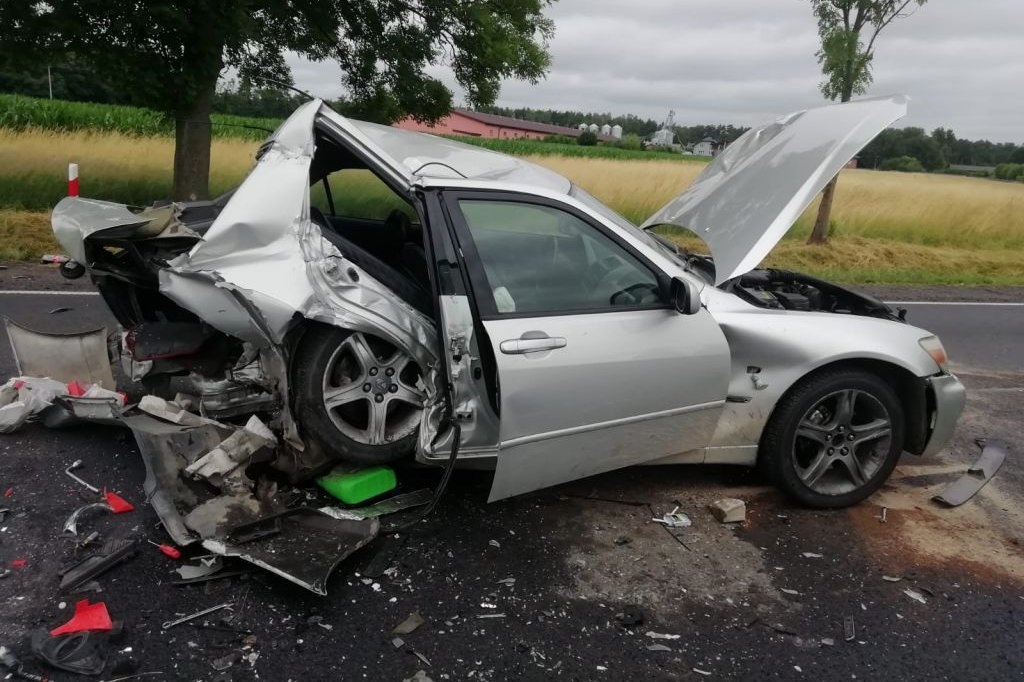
{"x":785,"y":290}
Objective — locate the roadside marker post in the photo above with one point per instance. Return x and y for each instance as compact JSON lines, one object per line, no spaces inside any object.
{"x":72,"y":179}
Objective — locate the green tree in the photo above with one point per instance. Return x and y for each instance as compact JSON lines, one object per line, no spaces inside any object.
{"x":848,"y":30}
{"x":169,"y":53}
{"x":903,"y":164}
{"x":586,"y":139}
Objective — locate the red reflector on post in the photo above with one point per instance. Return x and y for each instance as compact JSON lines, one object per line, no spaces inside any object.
{"x":72,"y":179}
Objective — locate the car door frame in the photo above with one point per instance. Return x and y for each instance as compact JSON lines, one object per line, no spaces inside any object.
{"x":485,"y":306}
{"x":484,"y":309}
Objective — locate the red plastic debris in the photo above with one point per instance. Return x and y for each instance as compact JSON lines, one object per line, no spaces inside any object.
{"x":87,"y":617}
{"x":19,"y":563}
{"x":75,"y":389}
{"x":19,"y":384}
{"x":9,"y":492}
{"x":118,"y":504}
{"x":167,"y":550}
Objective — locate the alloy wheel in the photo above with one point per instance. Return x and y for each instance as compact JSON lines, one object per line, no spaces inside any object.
{"x":842,"y":442}
{"x":370,"y":390}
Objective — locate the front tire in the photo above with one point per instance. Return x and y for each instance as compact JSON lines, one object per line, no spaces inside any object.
{"x":834,"y":439}
{"x":358,"y":397}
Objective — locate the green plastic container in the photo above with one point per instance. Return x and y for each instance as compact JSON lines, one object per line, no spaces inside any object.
{"x":359,"y":485}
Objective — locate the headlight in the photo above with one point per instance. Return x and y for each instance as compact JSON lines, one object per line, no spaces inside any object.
{"x":933,"y":347}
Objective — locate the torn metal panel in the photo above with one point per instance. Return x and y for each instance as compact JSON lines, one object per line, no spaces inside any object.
{"x":75,"y":218}
{"x":978,"y":475}
{"x":63,"y":357}
{"x":166,"y":450}
{"x":263,"y":265}
{"x":237,"y":450}
{"x":303,"y":546}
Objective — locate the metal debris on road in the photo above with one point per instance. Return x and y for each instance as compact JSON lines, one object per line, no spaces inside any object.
{"x":630,"y":616}
{"x":658,"y":647}
{"x":828,"y":641}
{"x":705,"y":673}
{"x":891,"y":578}
{"x":813,"y":555}
{"x":206,"y":567}
{"x":71,"y":525}
{"x":491,"y":615}
{"x":16,"y":667}
{"x":849,"y":629}
{"x":786,"y":590}
{"x":729,"y":510}
{"x":660,"y":635}
{"x":916,"y":596}
{"x":674,"y":519}
{"x":409,"y":625}
{"x":993,"y":454}
{"x":167,"y":625}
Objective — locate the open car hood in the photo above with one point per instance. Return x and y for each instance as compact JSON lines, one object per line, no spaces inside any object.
{"x":753,"y":192}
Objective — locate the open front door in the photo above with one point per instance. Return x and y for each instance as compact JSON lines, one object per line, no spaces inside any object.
{"x":595,"y":372}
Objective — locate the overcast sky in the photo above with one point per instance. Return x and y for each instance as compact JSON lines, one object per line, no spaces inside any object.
{"x":747,"y":61}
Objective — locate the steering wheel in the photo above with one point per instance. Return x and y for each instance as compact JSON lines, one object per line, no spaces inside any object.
{"x":621,"y":280}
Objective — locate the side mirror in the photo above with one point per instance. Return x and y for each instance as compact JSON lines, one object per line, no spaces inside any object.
{"x":685,"y":296}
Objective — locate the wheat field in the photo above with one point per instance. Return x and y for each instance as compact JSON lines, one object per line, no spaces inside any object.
{"x":889,"y":227}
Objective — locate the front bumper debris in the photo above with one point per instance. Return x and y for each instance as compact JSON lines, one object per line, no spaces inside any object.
{"x":993,"y":454}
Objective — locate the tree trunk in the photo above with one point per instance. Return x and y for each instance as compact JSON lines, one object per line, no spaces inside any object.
{"x":819,"y":235}
{"x":192,"y":147}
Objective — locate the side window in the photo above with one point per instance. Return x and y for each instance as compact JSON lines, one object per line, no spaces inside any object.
{"x":539,"y":259}
{"x":356,"y":193}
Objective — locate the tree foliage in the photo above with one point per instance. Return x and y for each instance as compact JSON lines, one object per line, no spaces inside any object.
{"x":168,"y":54}
{"x":848,"y":30}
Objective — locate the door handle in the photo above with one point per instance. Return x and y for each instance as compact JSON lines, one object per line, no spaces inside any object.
{"x":531,"y":345}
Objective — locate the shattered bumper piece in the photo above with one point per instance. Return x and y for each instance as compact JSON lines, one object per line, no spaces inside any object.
{"x":303,"y":546}
{"x":64,"y":357}
{"x":993,"y":454}
{"x":108,"y":556}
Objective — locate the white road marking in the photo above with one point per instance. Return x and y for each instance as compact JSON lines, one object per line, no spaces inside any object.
{"x":979,"y":303}
{"x":33,"y":292}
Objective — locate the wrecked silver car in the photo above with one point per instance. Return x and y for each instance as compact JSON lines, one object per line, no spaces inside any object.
{"x":382,"y":296}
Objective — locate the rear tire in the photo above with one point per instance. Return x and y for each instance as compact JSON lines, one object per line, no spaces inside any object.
{"x":356,"y":396}
{"x":834,"y":439}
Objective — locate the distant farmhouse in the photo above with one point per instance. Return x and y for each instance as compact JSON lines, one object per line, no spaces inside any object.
{"x":707,"y":147}
{"x":477,"y":124}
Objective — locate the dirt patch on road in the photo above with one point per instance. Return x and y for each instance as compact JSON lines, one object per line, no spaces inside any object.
{"x":974,"y":539}
{"x":619,"y":554}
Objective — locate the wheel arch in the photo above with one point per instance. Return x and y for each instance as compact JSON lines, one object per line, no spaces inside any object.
{"x":911,"y":390}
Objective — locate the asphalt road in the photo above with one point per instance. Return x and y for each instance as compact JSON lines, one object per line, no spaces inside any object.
{"x":766,"y":599}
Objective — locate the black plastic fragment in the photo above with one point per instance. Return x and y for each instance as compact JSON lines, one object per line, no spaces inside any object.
{"x":109,"y":555}
{"x":84,"y":653}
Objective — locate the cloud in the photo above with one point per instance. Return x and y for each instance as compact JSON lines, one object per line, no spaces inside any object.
{"x":746,"y":61}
